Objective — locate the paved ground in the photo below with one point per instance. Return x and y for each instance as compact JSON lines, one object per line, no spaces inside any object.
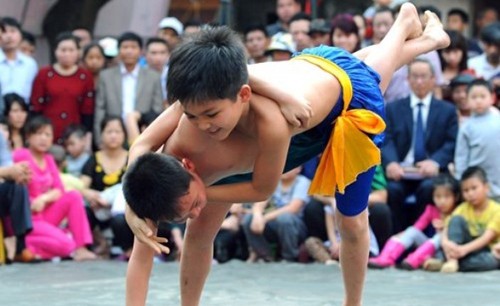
{"x":237,"y":283}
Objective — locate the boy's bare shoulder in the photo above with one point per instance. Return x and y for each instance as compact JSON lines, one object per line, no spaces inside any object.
{"x":268,"y":118}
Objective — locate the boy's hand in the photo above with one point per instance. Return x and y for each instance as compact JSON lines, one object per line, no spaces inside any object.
{"x":438,"y":224}
{"x":143,"y":230}
{"x":258,"y":224}
{"x":297,"y":113}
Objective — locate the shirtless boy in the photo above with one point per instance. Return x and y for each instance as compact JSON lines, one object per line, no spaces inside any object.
{"x":225,"y":131}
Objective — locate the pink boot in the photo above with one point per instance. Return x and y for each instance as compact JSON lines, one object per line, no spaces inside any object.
{"x":419,"y":256}
{"x":387,"y":258}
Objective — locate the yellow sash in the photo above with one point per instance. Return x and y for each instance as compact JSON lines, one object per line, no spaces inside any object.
{"x":349,"y":151}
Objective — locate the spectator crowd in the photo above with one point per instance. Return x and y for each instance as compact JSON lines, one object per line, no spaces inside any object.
{"x":66,"y":129}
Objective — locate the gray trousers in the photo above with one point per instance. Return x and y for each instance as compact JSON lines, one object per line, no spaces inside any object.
{"x":287,"y":230}
{"x":480,"y":260}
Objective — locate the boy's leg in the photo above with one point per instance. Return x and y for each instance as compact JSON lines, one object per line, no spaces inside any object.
{"x":353,"y":254}
{"x":196,"y":257}
{"x":403,"y":43}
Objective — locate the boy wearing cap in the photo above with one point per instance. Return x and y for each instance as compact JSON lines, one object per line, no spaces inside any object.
{"x":170,"y":29}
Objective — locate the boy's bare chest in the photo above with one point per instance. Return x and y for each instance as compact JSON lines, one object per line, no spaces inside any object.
{"x":215,"y":159}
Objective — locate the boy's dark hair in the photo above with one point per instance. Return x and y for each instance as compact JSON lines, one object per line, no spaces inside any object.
{"x":300,"y":16}
{"x":474,"y":171}
{"x":480,"y":82}
{"x":11,"y":22}
{"x":153,"y":185}
{"x":490,"y":34}
{"x":29,"y":37}
{"x":153,"y":40}
{"x":450,"y":182}
{"x":12,"y":98}
{"x":77,"y":130}
{"x":36,"y":123}
{"x":457,"y":42}
{"x":255,"y":27}
{"x":148,"y":118}
{"x":460,"y":13}
{"x":67,"y":36}
{"x":129,"y":36}
{"x":210,"y":66}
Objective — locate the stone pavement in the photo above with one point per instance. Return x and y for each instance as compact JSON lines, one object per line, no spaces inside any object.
{"x":237,"y":283}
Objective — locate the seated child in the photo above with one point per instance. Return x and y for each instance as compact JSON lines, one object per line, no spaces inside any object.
{"x":75,"y":142}
{"x":445,"y":196}
{"x":50,"y":203}
{"x":474,"y":227}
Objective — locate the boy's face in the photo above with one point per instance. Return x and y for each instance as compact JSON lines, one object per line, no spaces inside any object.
{"x":459,"y":97}
{"x":75,"y":145}
{"x":27,"y":48}
{"x":191,"y":204}
{"x":11,"y":38}
{"x":480,"y":99}
{"x":157,"y":56}
{"x":455,"y":22}
{"x":475,"y":191}
{"x":256,"y":43}
{"x":218,"y":118}
{"x":130,"y":51}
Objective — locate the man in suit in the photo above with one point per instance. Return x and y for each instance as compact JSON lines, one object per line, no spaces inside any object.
{"x":127,"y":90}
{"x":420,"y":143}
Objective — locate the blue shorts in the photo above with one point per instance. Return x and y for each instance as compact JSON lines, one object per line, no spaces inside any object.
{"x":309,"y":144}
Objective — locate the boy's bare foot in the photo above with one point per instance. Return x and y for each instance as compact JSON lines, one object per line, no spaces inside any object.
{"x":451,"y":266}
{"x":434,"y":30}
{"x":409,"y":16}
{"x":82,"y":254}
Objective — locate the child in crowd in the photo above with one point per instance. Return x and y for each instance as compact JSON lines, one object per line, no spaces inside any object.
{"x":445,"y":196}
{"x":70,"y":182}
{"x":477,"y":140}
{"x":75,"y":143}
{"x":50,"y":203}
{"x":474,"y":227}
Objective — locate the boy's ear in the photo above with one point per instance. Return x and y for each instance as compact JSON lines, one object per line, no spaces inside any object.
{"x":245,"y":93}
{"x":188,"y":164}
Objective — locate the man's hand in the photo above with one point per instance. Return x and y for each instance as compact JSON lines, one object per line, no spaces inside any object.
{"x":144,"y":231}
{"x":394,"y":171}
{"x":297,"y":112}
{"x":258,"y":223}
{"x":428,"y":168}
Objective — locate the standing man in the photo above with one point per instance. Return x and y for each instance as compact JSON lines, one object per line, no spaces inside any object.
{"x":127,"y":87}
{"x":17,"y":71}
{"x":420,"y":143}
{"x":285,"y":9}
{"x":157,"y":55}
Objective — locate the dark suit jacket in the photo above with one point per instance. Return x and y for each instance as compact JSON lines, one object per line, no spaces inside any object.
{"x":109,"y":95}
{"x":440,"y":133}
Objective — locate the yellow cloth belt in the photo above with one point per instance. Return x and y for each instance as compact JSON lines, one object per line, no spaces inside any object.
{"x":349,"y":151}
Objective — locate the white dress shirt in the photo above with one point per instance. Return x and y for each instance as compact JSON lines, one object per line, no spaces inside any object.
{"x":16,"y":76}
{"x":414,"y":101}
{"x":129,"y":89}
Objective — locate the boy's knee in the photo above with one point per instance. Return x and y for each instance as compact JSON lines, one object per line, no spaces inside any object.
{"x":353,"y":228}
{"x":457,"y":221}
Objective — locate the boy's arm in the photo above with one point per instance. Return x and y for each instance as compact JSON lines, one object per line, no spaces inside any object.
{"x":480,"y":242}
{"x":274,"y":139}
{"x":155,"y":135}
{"x":138,"y":273}
{"x":297,"y":111}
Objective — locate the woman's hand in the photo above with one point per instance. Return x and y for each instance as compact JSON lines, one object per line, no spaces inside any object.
{"x":144,"y":231}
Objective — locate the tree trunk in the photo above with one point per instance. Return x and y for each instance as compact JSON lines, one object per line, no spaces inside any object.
{"x":65,"y":15}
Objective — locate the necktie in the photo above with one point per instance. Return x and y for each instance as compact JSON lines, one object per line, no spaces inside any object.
{"x":419,"y":137}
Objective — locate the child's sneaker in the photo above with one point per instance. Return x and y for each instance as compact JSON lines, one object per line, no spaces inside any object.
{"x":317,"y":250}
{"x":450,"y":267}
{"x":432,"y":265}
